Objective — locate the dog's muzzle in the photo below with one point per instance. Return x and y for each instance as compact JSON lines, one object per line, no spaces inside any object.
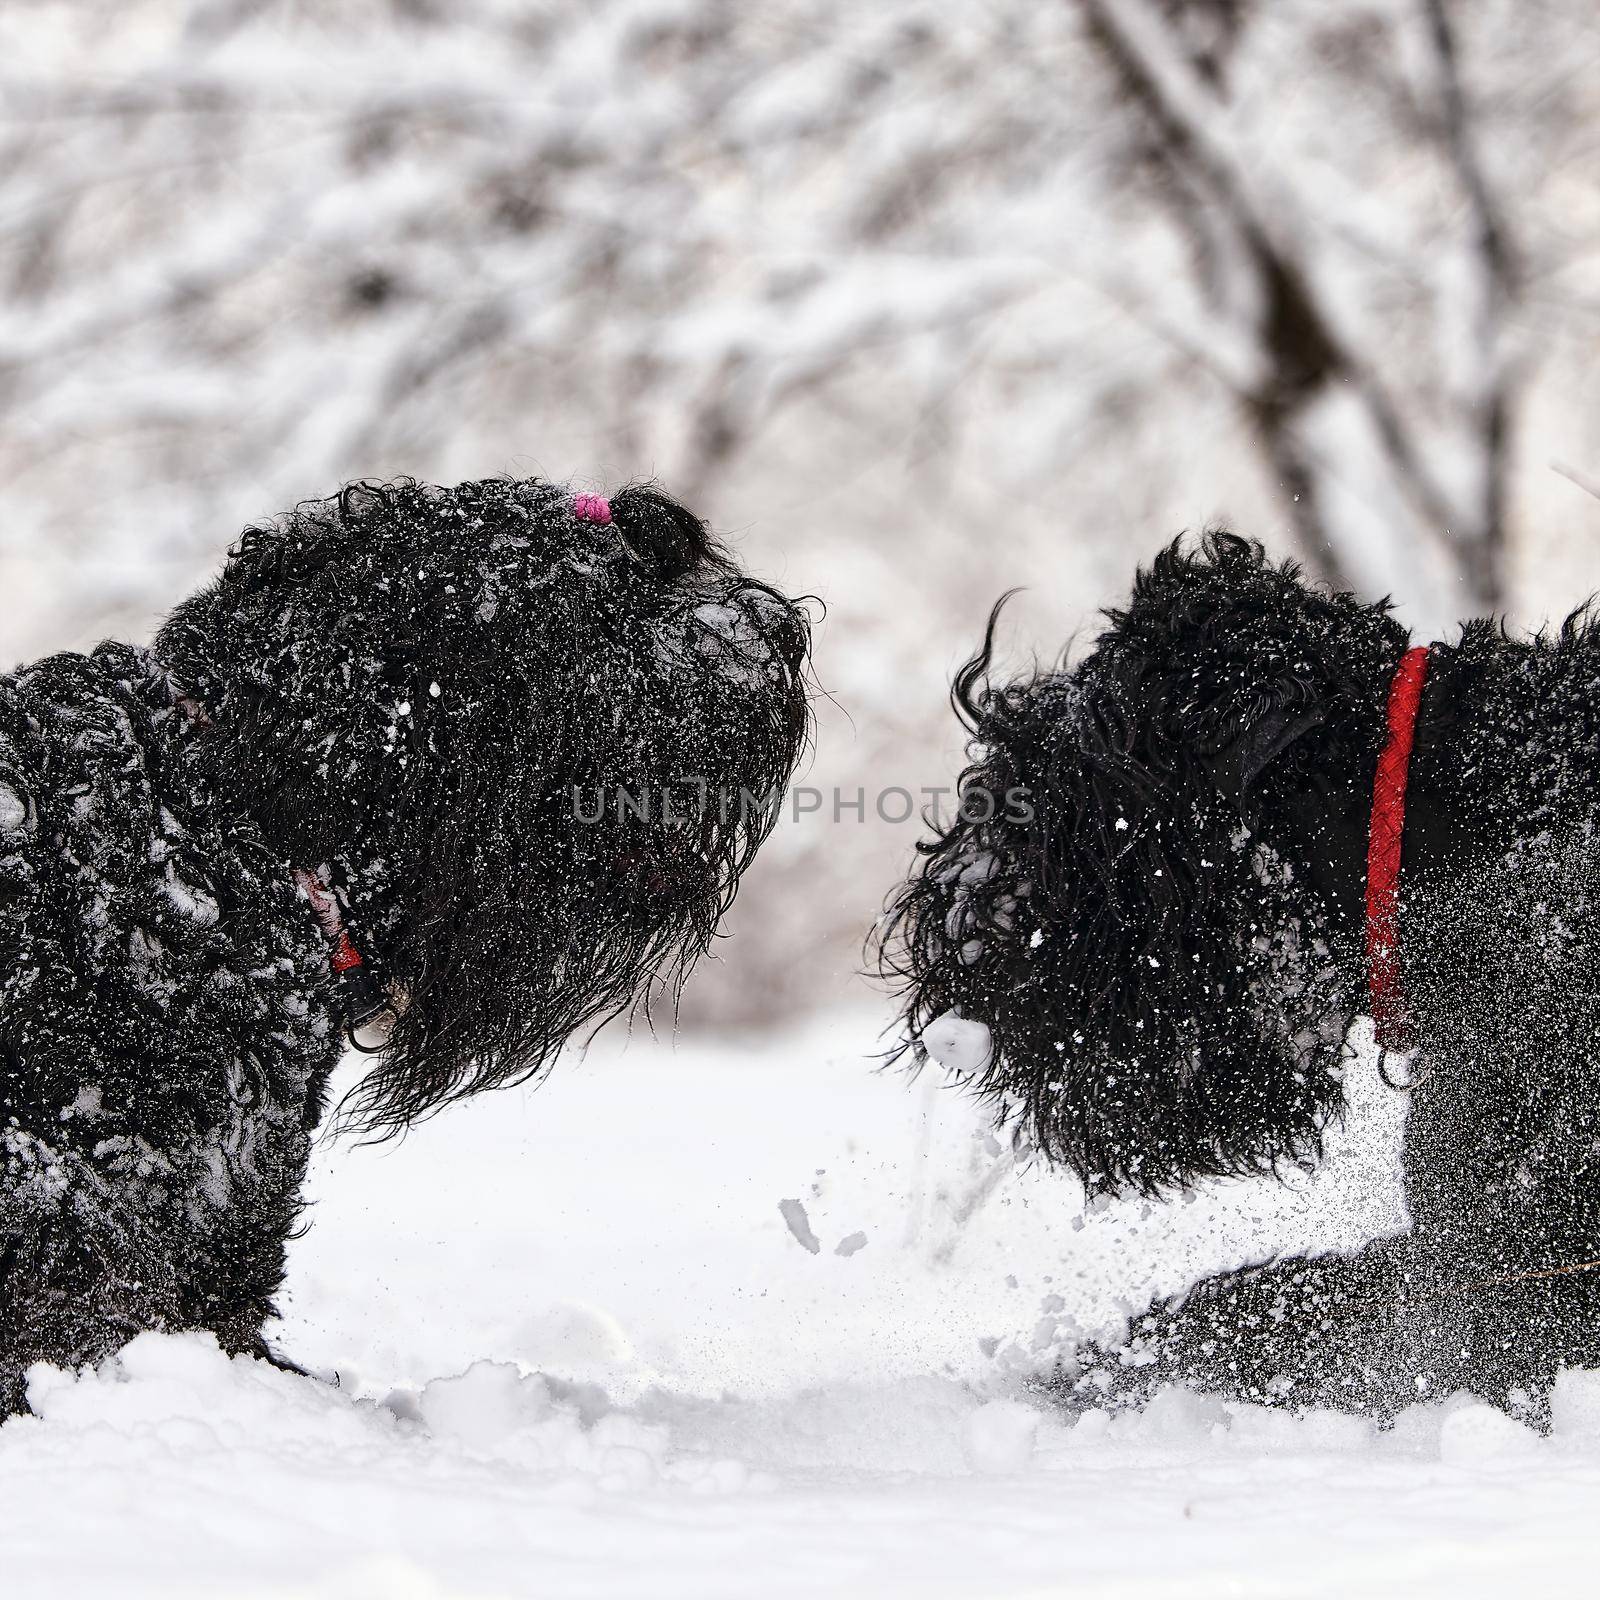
{"x":753,"y":628}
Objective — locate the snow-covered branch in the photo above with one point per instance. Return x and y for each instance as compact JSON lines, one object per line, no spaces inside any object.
{"x":1323,"y":390}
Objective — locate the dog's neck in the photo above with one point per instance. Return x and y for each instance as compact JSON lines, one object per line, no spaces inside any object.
{"x":364,"y":997}
{"x":1327,"y":826}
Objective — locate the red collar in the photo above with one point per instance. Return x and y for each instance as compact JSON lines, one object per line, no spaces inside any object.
{"x":1385,"y":988}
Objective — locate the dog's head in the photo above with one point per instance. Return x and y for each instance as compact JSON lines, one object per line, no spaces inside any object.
{"x":1117,"y":935}
{"x":537,"y":736}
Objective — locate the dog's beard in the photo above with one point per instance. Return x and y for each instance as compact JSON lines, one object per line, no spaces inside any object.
{"x":1162,"y":1003}
{"x":553,"y":893}
{"x":536,"y":764}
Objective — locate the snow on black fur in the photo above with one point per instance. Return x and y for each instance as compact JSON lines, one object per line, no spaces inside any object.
{"x":1165,"y":948}
{"x":531,"y":750}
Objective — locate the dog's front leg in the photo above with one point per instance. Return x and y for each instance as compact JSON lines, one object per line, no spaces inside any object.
{"x":71,"y":1296}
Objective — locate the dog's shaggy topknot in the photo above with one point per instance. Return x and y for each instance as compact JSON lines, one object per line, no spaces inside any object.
{"x":1161,"y":1004}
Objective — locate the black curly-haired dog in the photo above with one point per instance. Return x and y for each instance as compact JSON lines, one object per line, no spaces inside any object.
{"x":495,"y":756}
{"x":1155,"y":964}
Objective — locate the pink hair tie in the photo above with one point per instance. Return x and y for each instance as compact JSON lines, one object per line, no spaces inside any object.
{"x":591,"y":508}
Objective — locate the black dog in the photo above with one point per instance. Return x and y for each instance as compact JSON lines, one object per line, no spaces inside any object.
{"x":492,"y":756}
{"x":1169,"y":943}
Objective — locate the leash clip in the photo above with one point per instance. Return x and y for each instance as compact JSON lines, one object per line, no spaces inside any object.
{"x":365,"y":999}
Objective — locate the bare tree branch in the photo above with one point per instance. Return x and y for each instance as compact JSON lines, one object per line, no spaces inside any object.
{"x":1308,"y":350}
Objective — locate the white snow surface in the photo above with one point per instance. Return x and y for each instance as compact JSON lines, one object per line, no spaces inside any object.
{"x":571,"y":1342}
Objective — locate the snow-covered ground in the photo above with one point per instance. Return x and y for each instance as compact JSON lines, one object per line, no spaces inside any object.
{"x":724,"y":1320}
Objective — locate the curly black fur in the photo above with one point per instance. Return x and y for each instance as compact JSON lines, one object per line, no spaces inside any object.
{"x":532,"y":753}
{"x":1167,"y":957}
{"x":1160,"y":988}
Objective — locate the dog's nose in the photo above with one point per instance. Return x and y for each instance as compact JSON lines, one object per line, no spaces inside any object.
{"x":784,"y":627}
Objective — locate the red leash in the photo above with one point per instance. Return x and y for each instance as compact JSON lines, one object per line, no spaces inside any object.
{"x":1384,"y":839}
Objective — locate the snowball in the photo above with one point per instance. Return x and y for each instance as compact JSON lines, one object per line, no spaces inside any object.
{"x":957,"y":1043}
{"x":999,"y":1436}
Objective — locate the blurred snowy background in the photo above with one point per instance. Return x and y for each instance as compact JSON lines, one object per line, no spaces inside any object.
{"x":916,"y":300}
